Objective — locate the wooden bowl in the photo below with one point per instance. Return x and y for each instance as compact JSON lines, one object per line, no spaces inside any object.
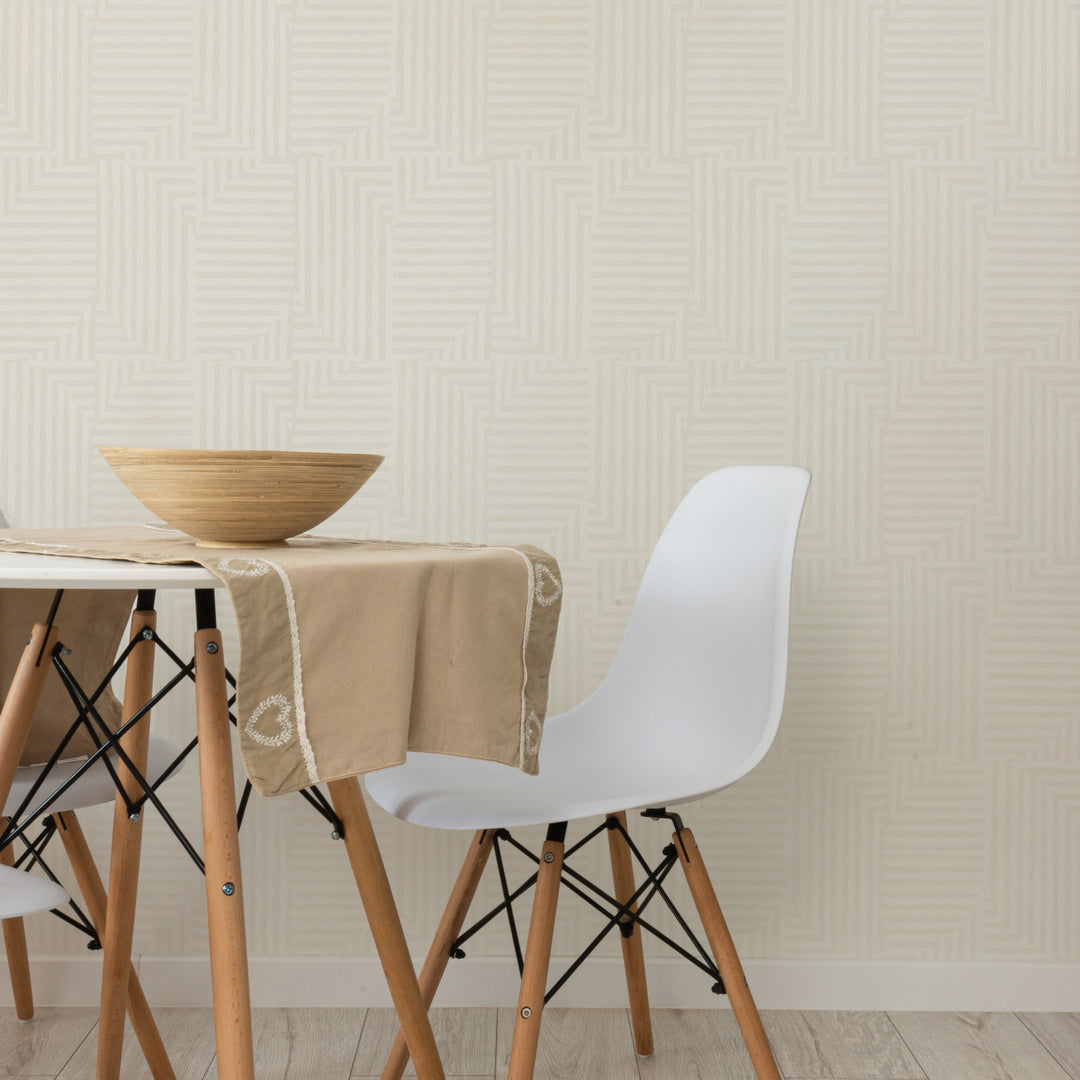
{"x":240,"y":498}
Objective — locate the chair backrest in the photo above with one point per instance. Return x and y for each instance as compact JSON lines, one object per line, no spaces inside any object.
{"x":702,"y":666}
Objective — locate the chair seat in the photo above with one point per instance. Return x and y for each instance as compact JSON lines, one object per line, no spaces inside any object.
{"x":583,"y":773}
{"x":93,"y":787}
{"x":23,"y":894}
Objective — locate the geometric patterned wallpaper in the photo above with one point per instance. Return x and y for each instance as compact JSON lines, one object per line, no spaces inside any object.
{"x":557,"y":259}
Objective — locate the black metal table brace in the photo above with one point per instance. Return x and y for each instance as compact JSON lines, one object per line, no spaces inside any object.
{"x":106,"y":742}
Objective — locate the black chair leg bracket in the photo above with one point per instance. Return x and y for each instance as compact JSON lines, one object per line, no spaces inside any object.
{"x":615,"y":914}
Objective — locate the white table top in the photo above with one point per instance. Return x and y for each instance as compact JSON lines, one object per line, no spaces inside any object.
{"x":18,"y":571}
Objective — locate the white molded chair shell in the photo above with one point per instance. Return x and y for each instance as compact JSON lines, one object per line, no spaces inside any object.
{"x":23,"y":894}
{"x":693,"y":698}
{"x":93,"y":787}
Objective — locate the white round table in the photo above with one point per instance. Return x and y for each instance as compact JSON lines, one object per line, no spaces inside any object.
{"x":19,"y":571}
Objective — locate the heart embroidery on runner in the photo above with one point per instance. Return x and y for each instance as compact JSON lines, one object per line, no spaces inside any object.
{"x":533,"y":730}
{"x":240,"y":566}
{"x":285,"y":728}
{"x":545,"y":577}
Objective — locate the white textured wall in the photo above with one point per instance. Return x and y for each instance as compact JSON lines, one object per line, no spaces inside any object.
{"x":557,"y":260}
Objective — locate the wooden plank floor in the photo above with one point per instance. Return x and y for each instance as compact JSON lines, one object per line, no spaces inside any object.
{"x":578,"y":1044}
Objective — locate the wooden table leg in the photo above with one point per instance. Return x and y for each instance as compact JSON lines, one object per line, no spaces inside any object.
{"x":93,"y":894}
{"x":15,"y":720}
{"x":15,"y":946}
{"x":457,"y":907}
{"x":224,"y":894}
{"x":126,"y":852}
{"x":378,"y":901}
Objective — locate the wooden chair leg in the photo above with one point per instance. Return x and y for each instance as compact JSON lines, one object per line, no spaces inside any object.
{"x":124,"y":863}
{"x":16,"y":717}
{"x":22,"y":697}
{"x":457,"y":907}
{"x":622,"y":874}
{"x":537,"y":956}
{"x":221,"y":847}
{"x":93,"y":894}
{"x":382,"y":914}
{"x":727,"y":959}
{"x":17,"y":957}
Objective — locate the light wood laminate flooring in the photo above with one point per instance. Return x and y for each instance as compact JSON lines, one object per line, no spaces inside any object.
{"x":591,"y":1044}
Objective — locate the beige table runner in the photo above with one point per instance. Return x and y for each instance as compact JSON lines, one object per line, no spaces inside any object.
{"x":351,"y":651}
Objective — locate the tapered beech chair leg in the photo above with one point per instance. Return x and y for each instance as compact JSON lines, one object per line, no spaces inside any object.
{"x":457,"y":907}
{"x":622,"y":874}
{"x":727,"y":959}
{"x":17,"y":957}
{"x":93,"y":894}
{"x":17,"y":714}
{"x":221,"y":846}
{"x":16,"y":717}
{"x":537,"y":956}
{"x":126,"y":851}
{"x":382,"y":914}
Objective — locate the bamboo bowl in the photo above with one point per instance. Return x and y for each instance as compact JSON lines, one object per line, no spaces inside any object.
{"x":240,"y":498}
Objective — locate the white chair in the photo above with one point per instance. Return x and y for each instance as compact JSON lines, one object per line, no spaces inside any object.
{"x":691,"y":703}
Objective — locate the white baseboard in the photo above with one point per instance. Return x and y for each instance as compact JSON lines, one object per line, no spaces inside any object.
{"x":486,"y":981}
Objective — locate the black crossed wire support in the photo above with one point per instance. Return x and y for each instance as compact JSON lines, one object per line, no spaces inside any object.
{"x":107,"y":743}
{"x":624,"y":916}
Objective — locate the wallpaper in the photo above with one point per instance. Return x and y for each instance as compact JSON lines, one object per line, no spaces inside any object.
{"x":557,"y":260}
